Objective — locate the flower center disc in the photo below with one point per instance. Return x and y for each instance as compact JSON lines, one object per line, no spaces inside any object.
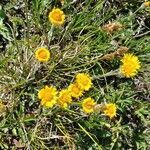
{"x":56,"y":16}
{"x":89,"y":105}
{"x":42,"y":54}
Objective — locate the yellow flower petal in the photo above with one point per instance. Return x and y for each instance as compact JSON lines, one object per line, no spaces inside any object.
{"x":56,"y":17}
{"x":64,"y":98}
{"x":42,"y":54}
{"x":88,"y":105}
{"x":48,"y":96}
{"x":75,"y":90}
{"x":50,"y":104}
{"x":130,"y":65}
{"x":84,"y":81}
{"x":110,"y":110}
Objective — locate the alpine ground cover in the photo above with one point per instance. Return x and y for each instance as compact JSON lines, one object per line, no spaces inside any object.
{"x":75,"y":74}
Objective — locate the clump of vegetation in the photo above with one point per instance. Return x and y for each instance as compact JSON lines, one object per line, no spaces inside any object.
{"x":74,"y":74}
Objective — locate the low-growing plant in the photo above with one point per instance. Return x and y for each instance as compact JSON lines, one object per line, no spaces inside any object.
{"x":74,"y":75}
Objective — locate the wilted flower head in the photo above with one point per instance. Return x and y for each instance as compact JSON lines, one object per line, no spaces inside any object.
{"x":2,"y":108}
{"x":118,"y":53}
{"x":112,"y":27}
{"x":56,"y":17}
{"x":130,"y":65}
{"x":146,"y":4}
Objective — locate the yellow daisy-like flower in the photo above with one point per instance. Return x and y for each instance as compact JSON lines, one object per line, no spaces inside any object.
{"x":84,"y":81}
{"x":146,"y":4}
{"x":130,"y":65}
{"x":110,"y":110}
{"x":56,"y":17}
{"x":64,"y":98}
{"x":88,"y":105}
{"x":48,"y":96}
{"x":75,"y":90}
{"x":42,"y":54}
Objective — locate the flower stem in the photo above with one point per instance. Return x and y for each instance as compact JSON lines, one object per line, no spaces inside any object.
{"x":111,"y":73}
{"x":50,"y":34}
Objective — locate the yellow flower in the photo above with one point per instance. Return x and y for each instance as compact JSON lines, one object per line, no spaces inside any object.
{"x":110,"y":110}
{"x":48,"y":96}
{"x":64,"y":98}
{"x":75,"y":90}
{"x":42,"y":54}
{"x":84,"y":81}
{"x":88,"y":105}
{"x":130,"y":65}
{"x":146,"y":4}
{"x":56,"y":17}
